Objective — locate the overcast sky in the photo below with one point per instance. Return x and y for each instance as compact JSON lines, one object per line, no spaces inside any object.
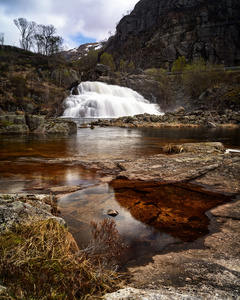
{"x":76,"y":21}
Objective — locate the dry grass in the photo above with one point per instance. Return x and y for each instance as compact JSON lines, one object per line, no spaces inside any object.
{"x":171,"y":148}
{"x":43,"y":261}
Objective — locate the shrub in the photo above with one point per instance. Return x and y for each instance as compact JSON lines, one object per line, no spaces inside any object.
{"x":20,"y":86}
{"x":198,"y":76}
{"x":179,"y":65}
{"x":171,"y":148}
{"x":106,"y":245}
{"x":130,"y":66}
{"x":107,"y":60}
{"x":4,"y":67}
{"x":122,"y":65}
{"x":87,"y":62}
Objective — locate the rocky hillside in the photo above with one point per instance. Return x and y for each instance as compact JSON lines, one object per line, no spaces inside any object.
{"x":157,"y":32}
{"x":33,"y":83}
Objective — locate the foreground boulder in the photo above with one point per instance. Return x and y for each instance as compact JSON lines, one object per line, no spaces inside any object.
{"x":21,"y":210}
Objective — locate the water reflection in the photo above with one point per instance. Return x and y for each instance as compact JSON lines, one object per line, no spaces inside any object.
{"x":31,"y":175}
{"x":150,"y":217}
{"x":25,"y":158}
{"x":79,"y":208}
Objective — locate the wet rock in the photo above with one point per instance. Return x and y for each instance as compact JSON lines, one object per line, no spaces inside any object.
{"x":58,"y":126}
{"x":83,"y":125}
{"x":64,"y":189}
{"x":112,"y":213}
{"x":14,"y":129}
{"x":13,"y":124}
{"x":179,"y":118}
{"x":180,"y":110}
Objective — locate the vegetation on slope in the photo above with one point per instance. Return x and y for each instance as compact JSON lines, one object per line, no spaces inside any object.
{"x":33,"y":83}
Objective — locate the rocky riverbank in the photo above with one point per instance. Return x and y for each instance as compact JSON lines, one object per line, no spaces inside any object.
{"x":21,"y":124}
{"x":179,"y":118}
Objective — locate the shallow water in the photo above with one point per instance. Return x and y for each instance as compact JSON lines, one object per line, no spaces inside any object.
{"x":34,"y":163}
{"x":150,"y":216}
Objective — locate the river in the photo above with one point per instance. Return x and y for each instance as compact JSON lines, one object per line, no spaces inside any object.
{"x":34,"y":163}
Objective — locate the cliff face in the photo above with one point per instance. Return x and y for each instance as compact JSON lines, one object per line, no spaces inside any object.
{"x":157,"y":32}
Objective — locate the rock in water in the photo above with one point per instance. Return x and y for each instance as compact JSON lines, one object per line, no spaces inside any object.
{"x":112,"y":213}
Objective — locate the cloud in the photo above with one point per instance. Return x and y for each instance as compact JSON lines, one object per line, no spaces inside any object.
{"x":75,"y":20}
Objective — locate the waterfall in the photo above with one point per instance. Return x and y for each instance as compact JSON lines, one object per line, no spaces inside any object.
{"x":97,"y":99}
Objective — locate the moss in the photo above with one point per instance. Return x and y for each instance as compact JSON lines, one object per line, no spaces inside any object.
{"x":4,"y":123}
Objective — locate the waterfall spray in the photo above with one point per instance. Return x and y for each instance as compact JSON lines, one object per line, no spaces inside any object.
{"x":97,"y":99}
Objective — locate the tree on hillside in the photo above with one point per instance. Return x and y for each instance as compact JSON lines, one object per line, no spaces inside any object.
{"x":42,"y":37}
{"x":87,"y":62}
{"x":107,"y":60}
{"x":2,"y":39}
{"x":122,"y":65}
{"x":27,"y":30}
{"x":46,"y":41}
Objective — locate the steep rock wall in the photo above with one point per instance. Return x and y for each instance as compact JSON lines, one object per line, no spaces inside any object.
{"x":157,"y":32}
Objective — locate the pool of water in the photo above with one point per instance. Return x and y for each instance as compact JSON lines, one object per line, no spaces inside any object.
{"x":150,"y":215}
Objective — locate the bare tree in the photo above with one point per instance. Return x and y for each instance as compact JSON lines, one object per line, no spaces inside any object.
{"x":47,"y":43}
{"x":2,"y":39}
{"x":27,"y":30}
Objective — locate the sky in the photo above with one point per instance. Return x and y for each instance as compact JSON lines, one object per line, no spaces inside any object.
{"x":76,"y":21}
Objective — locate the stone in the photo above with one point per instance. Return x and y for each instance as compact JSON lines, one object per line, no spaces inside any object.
{"x":34,"y":121}
{"x":58,"y":126}
{"x":112,"y":213}
{"x":180,"y":110}
{"x":15,"y":211}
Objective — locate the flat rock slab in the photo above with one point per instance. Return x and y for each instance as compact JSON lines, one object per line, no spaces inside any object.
{"x":210,"y":273}
{"x":206,"y":164}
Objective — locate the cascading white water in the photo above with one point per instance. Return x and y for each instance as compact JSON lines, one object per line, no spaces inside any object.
{"x":97,"y":99}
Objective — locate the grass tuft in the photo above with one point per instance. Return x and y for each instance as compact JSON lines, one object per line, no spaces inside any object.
{"x":43,"y":261}
{"x":171,"y":148}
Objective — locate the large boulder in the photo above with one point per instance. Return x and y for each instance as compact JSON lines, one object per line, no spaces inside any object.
{"x":34,"y":121}
{"x":13,"y":124}
{"x":58,"y":126}
{"x":16,"y":210}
